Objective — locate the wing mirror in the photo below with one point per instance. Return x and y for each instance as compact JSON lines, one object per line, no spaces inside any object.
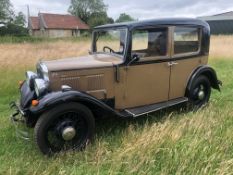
{"x":135,"y":58}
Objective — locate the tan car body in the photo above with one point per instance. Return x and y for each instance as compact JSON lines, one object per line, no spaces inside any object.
{"x":123,"y":84}
{"x":137,"y":85}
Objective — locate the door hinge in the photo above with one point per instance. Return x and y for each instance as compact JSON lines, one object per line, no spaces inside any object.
{"x":117,"y":74}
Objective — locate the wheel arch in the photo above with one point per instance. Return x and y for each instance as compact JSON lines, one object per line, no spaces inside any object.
{"x":96,"y":108}
{"x":207,"y":71}
{"x":52,"y":100}
{"x":55,"y":121}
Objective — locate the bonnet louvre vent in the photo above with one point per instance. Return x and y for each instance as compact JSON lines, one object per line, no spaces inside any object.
{"x":95,"y":82}
{"x":71,"y":81}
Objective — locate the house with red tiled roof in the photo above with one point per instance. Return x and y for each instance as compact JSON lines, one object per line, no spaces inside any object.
{"x":56,"y":25}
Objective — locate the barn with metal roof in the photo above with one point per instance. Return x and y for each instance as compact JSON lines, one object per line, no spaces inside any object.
{"x":220,"y":23}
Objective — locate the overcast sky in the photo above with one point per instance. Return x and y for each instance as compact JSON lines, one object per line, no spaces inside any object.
{"x":139,"y":9}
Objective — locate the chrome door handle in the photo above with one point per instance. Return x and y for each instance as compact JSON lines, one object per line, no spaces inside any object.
{"x":169,"y":64}
{"x":172,"y":63}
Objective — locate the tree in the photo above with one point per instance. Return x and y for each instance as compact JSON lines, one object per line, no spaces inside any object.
{"x":6,"y":12}
{"x":85,"y":9}
{"x":125,"y":18}
{"x":20,"y":19}
{"x":12,"y":25}
{"x":110,"y":20}
{"x":97,"y":19}
{"x":13,"y":30}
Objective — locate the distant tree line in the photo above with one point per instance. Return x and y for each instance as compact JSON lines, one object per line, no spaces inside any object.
{"x":11,"y":23}
{"x":94,"y":12}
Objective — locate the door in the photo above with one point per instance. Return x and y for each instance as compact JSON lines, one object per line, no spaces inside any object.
{"x":185,"y":50}
{"x":147,"y":81}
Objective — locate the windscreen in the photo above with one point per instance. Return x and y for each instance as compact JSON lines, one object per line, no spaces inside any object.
{"x":111,"y":41}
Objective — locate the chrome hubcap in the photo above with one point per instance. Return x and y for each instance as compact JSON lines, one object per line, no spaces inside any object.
{"x":201,"y":95}
{"x":68,"y":133}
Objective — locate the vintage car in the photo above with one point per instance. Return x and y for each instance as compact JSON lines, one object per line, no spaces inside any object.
{"x":132,"y":69}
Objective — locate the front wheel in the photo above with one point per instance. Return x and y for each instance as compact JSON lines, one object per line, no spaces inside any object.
{"x":66,"y":127}
{"x":200,"y":92}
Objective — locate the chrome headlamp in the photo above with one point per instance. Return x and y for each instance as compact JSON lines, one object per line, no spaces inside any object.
{"x":30,"y":76}
{"x":42,"y":71}
{"x":40,"y":86}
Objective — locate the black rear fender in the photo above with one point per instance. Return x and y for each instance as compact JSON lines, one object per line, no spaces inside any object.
{"x":207,"y":71}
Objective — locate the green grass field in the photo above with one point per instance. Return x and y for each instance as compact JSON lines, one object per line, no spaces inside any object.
{"x":162,"y":143}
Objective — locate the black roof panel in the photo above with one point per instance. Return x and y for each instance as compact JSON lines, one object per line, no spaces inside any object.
{"x":164,"y":21}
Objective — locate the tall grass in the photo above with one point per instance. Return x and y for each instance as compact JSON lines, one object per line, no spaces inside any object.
{"x":166,"y":142}
{"x":27,"y":54}
{"x":221,"y":47}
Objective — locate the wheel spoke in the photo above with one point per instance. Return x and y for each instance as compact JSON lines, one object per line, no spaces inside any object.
{"x":202,"y":87}
{"x":67,"y":120}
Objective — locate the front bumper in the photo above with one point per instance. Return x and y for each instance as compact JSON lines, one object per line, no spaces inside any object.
{"x":19,"y":121}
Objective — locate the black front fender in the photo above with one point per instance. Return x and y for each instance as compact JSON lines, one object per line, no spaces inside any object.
{"x":209,"y":72}
{"x":51,"y":100}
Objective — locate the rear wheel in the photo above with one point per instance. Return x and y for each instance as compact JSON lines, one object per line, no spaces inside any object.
{"x":200,"y":92}
{"x":66,"y":127}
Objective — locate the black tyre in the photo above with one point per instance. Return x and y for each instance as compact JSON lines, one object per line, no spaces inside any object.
{"x":200,"y":92}
{"x":66,"y":127}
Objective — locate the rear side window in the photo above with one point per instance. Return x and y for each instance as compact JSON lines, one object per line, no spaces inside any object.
{"x":186,"y":40}
{"x":150,"y":42}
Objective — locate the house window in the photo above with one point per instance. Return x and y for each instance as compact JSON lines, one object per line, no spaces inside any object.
{"x":150,"y":42}
{"x":186,"y":40}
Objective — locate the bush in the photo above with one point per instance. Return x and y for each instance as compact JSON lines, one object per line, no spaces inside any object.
{"x":30,"y":39}
{"x":19,"y":39}
{"x":13,"y":30}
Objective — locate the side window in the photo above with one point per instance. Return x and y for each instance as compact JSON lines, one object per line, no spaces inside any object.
{"x":150,"y":42}
{"x":186,"y":40}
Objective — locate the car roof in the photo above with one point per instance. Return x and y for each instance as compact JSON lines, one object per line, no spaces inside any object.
{"x":162,"y":21}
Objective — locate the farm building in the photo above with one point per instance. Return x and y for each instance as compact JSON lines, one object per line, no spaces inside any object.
{"x":220,"y":23}
{"x":55,"y":25}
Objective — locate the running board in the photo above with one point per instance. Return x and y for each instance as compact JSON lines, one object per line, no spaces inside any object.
{"x":135,"y":112}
